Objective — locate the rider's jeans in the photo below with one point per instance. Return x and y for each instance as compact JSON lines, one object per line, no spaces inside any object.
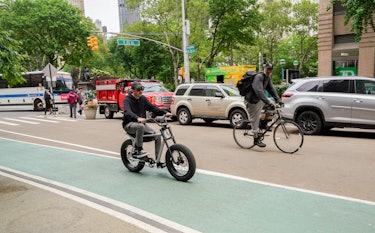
{"x":138,"y":129}
{"x":254,"y":111}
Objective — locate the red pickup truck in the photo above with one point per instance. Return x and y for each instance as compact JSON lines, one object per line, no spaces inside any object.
{"x":112,"y":92}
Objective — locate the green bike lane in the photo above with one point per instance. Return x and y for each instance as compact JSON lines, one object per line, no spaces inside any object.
{"x":207,"y":203}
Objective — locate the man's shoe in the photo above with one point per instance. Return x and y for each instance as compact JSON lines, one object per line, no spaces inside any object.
{"x":259,"y":143}
{"x":137,"y":154}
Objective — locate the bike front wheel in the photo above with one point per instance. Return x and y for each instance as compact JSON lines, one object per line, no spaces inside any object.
{"x":133,"y":165}
{"x":288,"y":136}
{"x":243,"y":135}
{"x":180,"y":162}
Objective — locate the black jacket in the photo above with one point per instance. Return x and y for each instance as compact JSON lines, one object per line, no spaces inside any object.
{"x":261,"y":83}
{"x":134,"y":108}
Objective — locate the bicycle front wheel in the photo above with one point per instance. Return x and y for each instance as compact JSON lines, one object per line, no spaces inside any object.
{"x":288,"y":136}
{"x":243,"y":135}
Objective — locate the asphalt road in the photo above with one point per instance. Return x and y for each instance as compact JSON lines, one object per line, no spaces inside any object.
{"x":337,"y":166}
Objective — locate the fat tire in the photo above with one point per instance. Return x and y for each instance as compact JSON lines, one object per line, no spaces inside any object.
{"x":178,"y":151}
{"x":133,"y":165}
{"x":288,"y":136}
{"x":38,"y":105}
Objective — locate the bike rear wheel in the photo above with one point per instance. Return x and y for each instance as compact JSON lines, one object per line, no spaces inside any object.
{"x":180,"y":162}
{"x":243,"y":135}
{"x":288,"y":136}
{"x":132,"y":164}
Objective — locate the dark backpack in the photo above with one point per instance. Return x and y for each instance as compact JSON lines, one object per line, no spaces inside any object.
{"x":244,"y":85}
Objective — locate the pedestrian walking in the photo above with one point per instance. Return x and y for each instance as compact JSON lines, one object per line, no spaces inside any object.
{"x":73,"y":100}
{"x":48,"y":101}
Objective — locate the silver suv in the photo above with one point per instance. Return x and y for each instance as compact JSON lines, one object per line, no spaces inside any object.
{"x":322,"y":103}
{"x":209,"y":101}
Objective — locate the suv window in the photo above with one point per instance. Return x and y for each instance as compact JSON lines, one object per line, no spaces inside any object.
{"x":197,"y":90}
{"x":181,"y":90}
{"x":341,"y":86}
{"x":364,"y":87}
{"x":309,"y":86}
{"x":212,"y":90}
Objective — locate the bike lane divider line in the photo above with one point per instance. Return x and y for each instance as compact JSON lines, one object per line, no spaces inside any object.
{"x":206,"y":203}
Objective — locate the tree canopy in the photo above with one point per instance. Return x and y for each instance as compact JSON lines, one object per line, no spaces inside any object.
{"x":360,"y":13}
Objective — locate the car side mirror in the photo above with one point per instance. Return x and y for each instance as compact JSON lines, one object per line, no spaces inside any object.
{"x":219,"y":94}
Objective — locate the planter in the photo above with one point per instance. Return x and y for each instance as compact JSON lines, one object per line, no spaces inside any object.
{"x":90,"y":113}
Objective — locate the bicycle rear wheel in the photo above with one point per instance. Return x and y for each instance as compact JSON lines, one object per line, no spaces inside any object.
{"x":288,"y":136}
{"x":243,"y":135}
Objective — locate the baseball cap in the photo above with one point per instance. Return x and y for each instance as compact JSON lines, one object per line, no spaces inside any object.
{"x":136,"y":85}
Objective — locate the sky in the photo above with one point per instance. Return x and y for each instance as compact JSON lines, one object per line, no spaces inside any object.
{"x":104,"y":10}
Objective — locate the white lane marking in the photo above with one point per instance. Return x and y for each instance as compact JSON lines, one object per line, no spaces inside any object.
{"x":18,"y":120}
{"x":59,"y":118}
{"x":36,"y":119}
{"x":8,"y":123}
{"x":212,"y":173}
{"x":122,"y":216}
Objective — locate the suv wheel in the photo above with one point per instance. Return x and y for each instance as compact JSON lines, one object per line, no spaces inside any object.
{"x":310,"y":122}
{"x":236,"y":116}
{"x":184,"y":116}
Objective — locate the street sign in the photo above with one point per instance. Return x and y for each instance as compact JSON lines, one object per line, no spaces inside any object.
{"x":128,"y":42}
{"x":191,"y":49}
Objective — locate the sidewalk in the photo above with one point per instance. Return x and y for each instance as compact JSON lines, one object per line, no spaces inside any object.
{"x":25,"y":208}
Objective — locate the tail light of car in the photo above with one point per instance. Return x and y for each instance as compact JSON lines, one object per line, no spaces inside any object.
{"x":287,"y":95}
{"x":172,"y":100}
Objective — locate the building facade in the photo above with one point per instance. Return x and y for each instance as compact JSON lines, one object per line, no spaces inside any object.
{"x":339,"y":53}
{"x":127,"y":16}
{"x":78,"y":3}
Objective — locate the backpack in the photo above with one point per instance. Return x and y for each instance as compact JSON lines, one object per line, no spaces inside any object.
{"x":244,"y":85}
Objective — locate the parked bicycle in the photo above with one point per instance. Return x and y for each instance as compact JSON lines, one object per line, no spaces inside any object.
{"x":179,"y":159}
{"x":287,"y":135}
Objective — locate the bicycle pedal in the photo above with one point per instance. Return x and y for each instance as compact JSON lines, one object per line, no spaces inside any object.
{"x":161,"y":165}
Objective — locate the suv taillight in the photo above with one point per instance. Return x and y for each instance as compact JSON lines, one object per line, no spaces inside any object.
{"x":287,"y":95}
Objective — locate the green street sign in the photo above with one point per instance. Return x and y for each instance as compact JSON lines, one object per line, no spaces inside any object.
{"x":128,"y":42}
{"x":191,"y":49}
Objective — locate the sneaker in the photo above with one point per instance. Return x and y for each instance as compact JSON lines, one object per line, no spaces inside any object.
{"x":137,"y":154}
{"x":259,"y":143}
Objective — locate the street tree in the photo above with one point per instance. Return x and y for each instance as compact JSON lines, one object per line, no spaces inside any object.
{"x":10,"y":59}
{"x":232,"y":22}
{"x":51,"y":31}
{"x":360,"y":14}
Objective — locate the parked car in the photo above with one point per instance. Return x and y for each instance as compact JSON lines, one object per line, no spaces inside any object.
{"x":322,"y":103}
{"x":209,"y":101}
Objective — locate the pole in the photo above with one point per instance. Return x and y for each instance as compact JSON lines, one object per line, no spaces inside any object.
{"x":184,"y":45}
{"x":51,"y":87}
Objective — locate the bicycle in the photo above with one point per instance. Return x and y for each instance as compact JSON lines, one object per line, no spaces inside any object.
{"x":179,"y":159}
{"x":287,"y":135}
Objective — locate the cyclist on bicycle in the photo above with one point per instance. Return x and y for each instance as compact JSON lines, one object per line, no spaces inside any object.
{"x":134,"y":119}
{"x":256,"y":100}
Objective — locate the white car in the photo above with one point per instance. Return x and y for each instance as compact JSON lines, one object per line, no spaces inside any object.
{"x":209,"y":101}
{"x":325,"y":102}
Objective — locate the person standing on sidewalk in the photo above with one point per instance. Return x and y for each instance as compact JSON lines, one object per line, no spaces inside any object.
{"x":81,"y":100}
{"x":48,"y":101}
{"x":73,"y":100}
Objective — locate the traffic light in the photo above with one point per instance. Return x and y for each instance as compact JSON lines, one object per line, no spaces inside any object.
{"x":90,"y":41}
{"x":95,"y":44}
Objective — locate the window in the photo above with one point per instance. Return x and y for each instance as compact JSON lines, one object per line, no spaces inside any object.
{"x":338,"y":9}
{"x":309,"y":86}
{"x":211,"y":91}
{"x":364,"y":87}
{"x":197,"y":90}
{"x":341,"y":39}
{"x":181,"y":90}
{"x":341,"y":86}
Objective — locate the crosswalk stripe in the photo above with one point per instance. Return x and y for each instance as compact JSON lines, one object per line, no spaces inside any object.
{"x":8,"y":123}
{"x":44,"y":120}
{"x":59,"y":118}
{"x":18,"y":120}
